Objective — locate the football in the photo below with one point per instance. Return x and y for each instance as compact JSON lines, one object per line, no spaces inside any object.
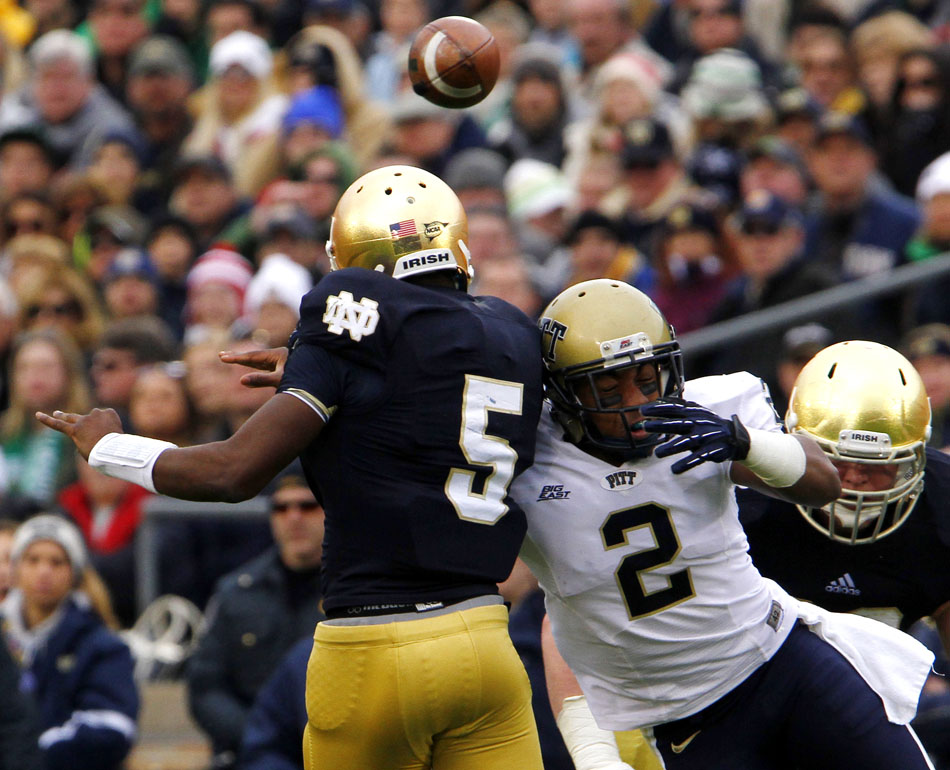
{"x":453,"y":62}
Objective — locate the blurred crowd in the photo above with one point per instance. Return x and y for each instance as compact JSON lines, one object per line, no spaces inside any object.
{"x":168,"y":170}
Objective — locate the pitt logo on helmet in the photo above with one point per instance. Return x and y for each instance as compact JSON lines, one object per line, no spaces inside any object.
{"x":557,"y":330}
{"x":358,"y":318}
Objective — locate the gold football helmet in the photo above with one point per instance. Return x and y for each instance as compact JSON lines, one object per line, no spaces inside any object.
{"x":598,"y":325}
{"x":866,"y":406}
{"x":402,"y":221}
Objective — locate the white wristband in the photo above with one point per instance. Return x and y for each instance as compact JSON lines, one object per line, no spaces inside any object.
{"x":129,"y":457}
{"x":590,"y":747}
{"x":776,"y":458}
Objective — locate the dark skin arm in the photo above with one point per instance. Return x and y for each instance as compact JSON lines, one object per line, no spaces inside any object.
{"x":819,"y":485}
{"x":224,"y":471}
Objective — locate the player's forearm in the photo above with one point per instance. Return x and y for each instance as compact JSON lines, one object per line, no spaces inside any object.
{"x":817,"y":482}
{"x":206,"y":472}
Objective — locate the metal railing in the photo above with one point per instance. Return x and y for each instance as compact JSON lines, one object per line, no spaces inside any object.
{"x":159,"y":509}
{"x":812,"y":305}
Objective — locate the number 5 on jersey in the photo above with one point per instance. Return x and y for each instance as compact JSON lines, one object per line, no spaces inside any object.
{"x":480,"y":396}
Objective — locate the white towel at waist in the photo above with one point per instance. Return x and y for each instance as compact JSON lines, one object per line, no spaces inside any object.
{"x":894,"y":664}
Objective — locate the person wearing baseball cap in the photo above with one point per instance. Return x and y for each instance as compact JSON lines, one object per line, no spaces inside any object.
{"x":79,"y":672}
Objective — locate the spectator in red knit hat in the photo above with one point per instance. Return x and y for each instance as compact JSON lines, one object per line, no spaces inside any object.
{"x":216,"y":286}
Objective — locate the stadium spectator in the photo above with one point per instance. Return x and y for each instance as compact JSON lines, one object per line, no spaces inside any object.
{"x":240,"y":119}
{"x":602,"y":28}
{"x":769,"y":237}
{"x":216,"y":286}
{"x":477,"y":175}
{"x":693,"y":267}
{"x":19,"y":740}
{"x":125,"y":346}
{"x":919,"y":117}
{"x":27,"y":213}
{"x":57,"y":612}
{"x":63,"y":300}
{"x":386,"y":63}
{"x":856,"y":227}
{"x":108,"y":512}
{"x":172,"y":245}
{"x":64,"y":95}
{"x":45,"y":369}
{"x":159,"y":406}
{"x":272,"y":301}
{"x":773,"y":164}
{"x":322,"y":55}
{"x":204,"y":196}
{"x":539,"y":199}
{"x":255,"y":616}
{"x":654,"y":181}
{"x":285,"y":228}
{"x":596,"y":250}
{"x":538,"y":113}
{"x":130,"y":286}
{"x":429,"y":135}
{"x":159,"y":81}
{"x":116,"y":27}
{"x":27,"y":161}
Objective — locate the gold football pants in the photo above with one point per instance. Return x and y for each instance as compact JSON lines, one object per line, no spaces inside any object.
{"x":447,"y":692}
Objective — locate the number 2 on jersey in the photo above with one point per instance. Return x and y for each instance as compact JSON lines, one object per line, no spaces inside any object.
{"x":481,"y":396}
{"x":615,"y":532}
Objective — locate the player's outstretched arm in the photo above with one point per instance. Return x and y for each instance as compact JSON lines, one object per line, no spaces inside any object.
{"x":789,"y":467}
{"x":270,"y":363}
{"x":226,"y":471}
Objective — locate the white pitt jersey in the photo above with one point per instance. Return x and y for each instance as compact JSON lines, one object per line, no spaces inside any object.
{"x":653,"y":599}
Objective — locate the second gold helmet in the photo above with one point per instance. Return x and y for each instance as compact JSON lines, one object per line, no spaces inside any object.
{"x":867,"y":408}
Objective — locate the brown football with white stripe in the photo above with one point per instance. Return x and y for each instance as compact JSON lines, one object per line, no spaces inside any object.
{"x":453,"y":62}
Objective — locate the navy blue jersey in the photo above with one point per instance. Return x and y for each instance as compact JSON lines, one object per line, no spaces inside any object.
{"x":907,"y":571}
{"x":432,"y":399}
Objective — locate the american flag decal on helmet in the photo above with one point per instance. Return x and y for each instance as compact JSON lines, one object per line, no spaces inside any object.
{"x":403,"y":229}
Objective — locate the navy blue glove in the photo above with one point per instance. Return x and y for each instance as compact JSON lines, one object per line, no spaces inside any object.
{"x":704,"y":434}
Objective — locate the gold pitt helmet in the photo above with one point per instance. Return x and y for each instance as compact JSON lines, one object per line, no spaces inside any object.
{"x":402,"y":221}
{"x":598,"y":325}
{"x":864,"y":403}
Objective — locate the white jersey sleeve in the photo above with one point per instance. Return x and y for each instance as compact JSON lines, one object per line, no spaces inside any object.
{"x":653,"y":599}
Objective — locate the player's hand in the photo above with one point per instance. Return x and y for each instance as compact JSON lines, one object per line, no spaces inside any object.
{"x":269,"y":362}
{"x":699,"y":431}
{"x":84,"y":429}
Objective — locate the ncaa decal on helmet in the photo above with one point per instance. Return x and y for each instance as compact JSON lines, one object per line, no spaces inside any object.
{"x":605,"y":325}
{"x":402,"y":221}
{"x":864,"y":403}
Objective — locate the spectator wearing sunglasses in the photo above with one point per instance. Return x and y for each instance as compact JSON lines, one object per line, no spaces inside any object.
{"x":27,"y":213}
{"x":256,"y":615}
{"x":768,"y":236}
{"x":63,"y":300}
